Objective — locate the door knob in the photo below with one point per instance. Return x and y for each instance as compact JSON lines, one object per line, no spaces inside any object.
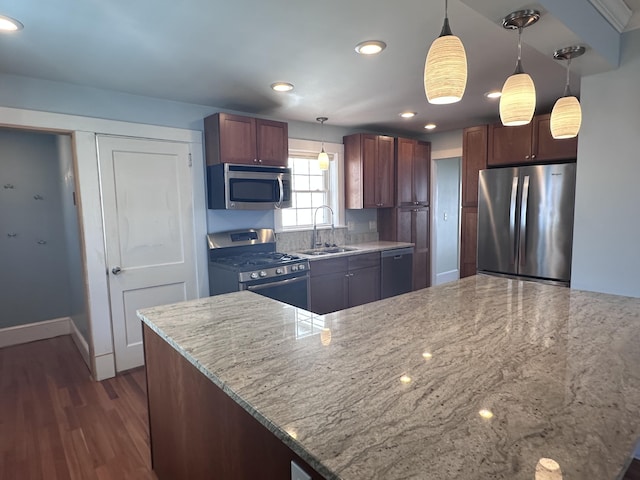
{"x":116,"y":270}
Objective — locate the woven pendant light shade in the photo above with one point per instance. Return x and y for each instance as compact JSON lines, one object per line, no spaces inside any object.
{"x":445,"y":71}
{"x":518,"y":100}
{"x":566,"y":118}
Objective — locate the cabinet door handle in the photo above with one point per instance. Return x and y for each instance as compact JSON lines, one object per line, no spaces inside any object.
{"x":255,"y":160}
{"x":526,"y":156}
{"x":533,"y":156}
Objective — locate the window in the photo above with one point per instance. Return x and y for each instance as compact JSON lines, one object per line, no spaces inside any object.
{"x":312,"y":187}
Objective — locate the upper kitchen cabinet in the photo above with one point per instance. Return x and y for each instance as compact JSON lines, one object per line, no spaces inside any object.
{"x":246,"y":140}
{"x":474,"y":159}
{"x":369,"y":171}
{"x":531,"y":143}
{"x":412,"y":172}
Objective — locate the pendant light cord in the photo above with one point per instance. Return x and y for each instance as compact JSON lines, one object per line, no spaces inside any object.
{"x":567,"y":89}
{"x":519,"y":61}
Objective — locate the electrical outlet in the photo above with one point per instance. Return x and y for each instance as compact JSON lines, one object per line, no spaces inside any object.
{"x":372,"y":225}
{"x":297,"y":473}
{"x":350,"y":226}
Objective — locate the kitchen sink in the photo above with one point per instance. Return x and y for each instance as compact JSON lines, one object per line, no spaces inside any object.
{"x":327,"y":250}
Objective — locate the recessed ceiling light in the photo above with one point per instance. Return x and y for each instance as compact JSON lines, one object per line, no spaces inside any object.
{"x":370,"y":47}
{"x":282,"y":86}
{"x":430,"y":126}
{"x":408,"y":114}
{"x":8,"y":24}
{"x":493,"y":94}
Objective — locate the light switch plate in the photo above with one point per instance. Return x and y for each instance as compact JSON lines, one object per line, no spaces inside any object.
{"x":297,"y":473}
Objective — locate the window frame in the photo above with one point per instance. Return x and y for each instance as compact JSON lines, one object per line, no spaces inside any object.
{"x":335,"y":178}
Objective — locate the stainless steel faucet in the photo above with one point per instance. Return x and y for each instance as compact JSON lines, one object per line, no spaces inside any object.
{"x":314,"y":238}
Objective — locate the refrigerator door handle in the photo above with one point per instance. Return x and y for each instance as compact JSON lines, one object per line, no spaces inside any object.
{"x":512,"y":220}
{"x":523,"y":220}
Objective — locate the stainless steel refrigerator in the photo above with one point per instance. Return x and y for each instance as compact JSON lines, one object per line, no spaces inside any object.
{"x":525,"y":221}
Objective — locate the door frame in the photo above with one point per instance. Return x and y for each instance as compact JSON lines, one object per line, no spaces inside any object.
{"x":83,"y":131}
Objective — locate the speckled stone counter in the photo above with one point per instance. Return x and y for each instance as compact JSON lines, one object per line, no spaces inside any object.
{"x":394,"y":389}
{"x":367,"y":247}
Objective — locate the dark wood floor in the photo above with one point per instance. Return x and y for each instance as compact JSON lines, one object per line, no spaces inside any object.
{"x":56,"y":423}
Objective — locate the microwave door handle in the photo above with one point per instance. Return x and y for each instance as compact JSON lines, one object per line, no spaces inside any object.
{"x":281,"y":187}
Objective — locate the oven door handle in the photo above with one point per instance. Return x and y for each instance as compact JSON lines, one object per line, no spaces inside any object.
{"x":262,"y":286}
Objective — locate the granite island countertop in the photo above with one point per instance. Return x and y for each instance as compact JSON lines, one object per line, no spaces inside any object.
{"x":394,"y":389}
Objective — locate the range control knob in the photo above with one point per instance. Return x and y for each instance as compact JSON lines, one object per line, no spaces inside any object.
{"x":263,"y":273}
{"x":301,"y":267}
{"x":254,"y":275}
{"x":278,"y":271}
{"x":294,"y":268}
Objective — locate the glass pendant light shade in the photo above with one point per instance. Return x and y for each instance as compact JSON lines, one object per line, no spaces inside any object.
{"x":518,"y":100}
{"x":445,"y":70}
{"x":323,"y":160}
{"x":566,"y":118}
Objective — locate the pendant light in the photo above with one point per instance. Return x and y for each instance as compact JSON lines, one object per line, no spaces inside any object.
{"x":518,"y":100}
{"x":566,"y":115}
{"x":323,"y":158}
{"x":445,"y":70}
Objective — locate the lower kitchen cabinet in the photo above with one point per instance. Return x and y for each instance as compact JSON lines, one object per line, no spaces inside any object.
{"x":409,"y":225}
{"x":469,"y":241}
{"x":343,"y":282}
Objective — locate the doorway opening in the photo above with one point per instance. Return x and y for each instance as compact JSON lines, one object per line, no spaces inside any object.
{"x":42,"y":281}
{"x":446,"y":220}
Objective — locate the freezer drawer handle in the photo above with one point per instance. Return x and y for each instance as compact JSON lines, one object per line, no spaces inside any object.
{"x":523,"y":220}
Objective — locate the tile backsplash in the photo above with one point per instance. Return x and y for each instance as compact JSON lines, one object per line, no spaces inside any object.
{"x":301,"y":240}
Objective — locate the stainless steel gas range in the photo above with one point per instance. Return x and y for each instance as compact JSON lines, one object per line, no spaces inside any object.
{"x":247,"y":260}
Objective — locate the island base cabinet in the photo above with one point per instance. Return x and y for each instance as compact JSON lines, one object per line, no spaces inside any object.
{"x":198,"y":432}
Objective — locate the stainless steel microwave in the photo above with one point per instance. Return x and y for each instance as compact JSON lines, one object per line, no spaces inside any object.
{"x":248,"y":187}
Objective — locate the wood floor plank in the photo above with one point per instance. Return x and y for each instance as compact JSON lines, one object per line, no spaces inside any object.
{"x":58,"y":424}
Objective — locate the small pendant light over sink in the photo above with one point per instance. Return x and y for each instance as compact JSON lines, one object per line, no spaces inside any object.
{"x":323,"y":158}
{"x":566,"y":116}
{"x":445,"y":71}
{"x":518,"y":100}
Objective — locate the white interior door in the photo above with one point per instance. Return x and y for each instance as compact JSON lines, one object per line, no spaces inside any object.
{"x":149,"y":229}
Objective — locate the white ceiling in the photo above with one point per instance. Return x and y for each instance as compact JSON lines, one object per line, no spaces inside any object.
{"x":225,"y":54}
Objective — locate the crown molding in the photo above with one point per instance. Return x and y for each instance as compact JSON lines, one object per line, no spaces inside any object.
{"x":616,"y":12}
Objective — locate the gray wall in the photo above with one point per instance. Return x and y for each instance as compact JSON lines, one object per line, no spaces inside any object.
{"x":78,"y":310}
{"x":606,"y":256}
{"x":34,"y":284}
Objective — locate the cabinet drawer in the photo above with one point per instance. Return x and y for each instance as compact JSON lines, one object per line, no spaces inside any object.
{"x":364,"y":260}
{"x":330,"y":265}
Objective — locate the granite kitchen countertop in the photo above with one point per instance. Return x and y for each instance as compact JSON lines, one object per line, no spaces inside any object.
{"x":475,"y":379}
{"x":358,"y":248}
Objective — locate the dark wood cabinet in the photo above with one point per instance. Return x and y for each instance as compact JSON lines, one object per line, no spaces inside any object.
{"x":547,"y":147}
{"x":343,"y":282}
{"x":409,"y":224}
{"x":531,"y":143}
{"x":469,"y":241}
{"x":369,"y":171}
{"x":246,"y":140}
{"x":198,"y":432}
{"x":413,"y":160}
{"x":474,"y":159}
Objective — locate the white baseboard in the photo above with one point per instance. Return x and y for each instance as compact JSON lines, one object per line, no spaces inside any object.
{"x":447,"y":277}
{"x":81,"y":343}
{"x":32,"y":332}
{"x":105,"y":367}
